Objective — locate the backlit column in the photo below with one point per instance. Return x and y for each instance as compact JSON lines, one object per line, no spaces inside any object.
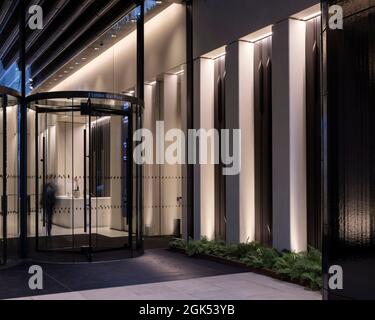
{"x":204,"y":174}
{"x":289,"y":136}
{"x":240,"y":188}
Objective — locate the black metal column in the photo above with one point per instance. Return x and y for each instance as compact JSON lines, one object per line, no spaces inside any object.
{"x":4,"y":201}
{"x":140,"y":95}
{"x":190,"y":114}
{"x":23,"y":133}
{"x":36,"y":181}
{"x":141,"y":51}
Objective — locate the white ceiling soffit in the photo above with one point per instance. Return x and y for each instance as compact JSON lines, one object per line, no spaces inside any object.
{"x":308,"y":13}
{"x":258,"y":35}
{"x":215,"y":53}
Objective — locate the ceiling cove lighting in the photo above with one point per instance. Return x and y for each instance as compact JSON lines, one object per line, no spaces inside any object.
{"x":312,"y":16}
{"x":262,"y":37}
{"x":150,"y":83}
{"x":179,"y":72}
{"x":219,"y":56}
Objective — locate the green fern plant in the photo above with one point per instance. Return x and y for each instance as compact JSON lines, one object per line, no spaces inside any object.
{"x":305,"y":266}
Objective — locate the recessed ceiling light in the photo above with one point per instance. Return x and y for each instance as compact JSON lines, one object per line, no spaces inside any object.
{"x":96,"y":48}
{"x":66,"y":72}
{"x":114,"y":36}
{"x":84,"y":58}
{"x":60,"y":76}
{"x":77,"y":63}
{"x":71,"y":68}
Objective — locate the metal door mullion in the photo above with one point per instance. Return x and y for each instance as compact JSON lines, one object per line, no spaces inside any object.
{"x":90,"y":188}
{"x":37,"y":181}
{"x":4,"y":202}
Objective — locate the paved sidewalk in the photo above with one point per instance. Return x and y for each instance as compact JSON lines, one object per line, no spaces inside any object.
{"x":242,"y":286}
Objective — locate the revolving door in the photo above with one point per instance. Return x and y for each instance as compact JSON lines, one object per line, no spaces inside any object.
{"x":85,"y":191}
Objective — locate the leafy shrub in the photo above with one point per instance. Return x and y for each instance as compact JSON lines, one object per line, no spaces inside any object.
{"x":178,"y":244}
{"x":261,"y":258}
{"x":305,"y":266}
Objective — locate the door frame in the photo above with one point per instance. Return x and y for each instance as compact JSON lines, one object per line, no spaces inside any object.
{"x":4,"y":206}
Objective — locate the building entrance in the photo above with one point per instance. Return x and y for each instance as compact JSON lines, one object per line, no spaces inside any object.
{"x":84,"y":189}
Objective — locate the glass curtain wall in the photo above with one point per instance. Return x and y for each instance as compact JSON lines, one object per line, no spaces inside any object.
{"x":9,"y":213}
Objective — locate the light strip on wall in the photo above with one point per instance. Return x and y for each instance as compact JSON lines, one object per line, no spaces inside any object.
{"x":312,"y":16}
{"x":179,"y":72}
{"x":262,"y":37}
{"x":219,"y":56}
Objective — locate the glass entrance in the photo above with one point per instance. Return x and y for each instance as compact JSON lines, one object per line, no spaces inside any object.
{"x":84,"y":177}
{"x":9,"y":214}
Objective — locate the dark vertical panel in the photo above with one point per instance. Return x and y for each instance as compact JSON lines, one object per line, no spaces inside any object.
{"x":130,"y":186}
{"x":220,"y":189}
{"x":23,"y":133}
{"x":190,"y":113}
{"x":4,"y":206}
{"x":263,"y":140}
{"x":140,"y":95}
{"x":313,"y":127}
{"x":124,"y":167}
{"x":85,"y":181}
{"x":36,"y":181}
{"x":350,"y":208}
{"x":101,"y":150}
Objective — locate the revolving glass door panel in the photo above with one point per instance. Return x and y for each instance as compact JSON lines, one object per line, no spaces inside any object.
{"x":108,"y":169}
{"x":60,"y":222}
